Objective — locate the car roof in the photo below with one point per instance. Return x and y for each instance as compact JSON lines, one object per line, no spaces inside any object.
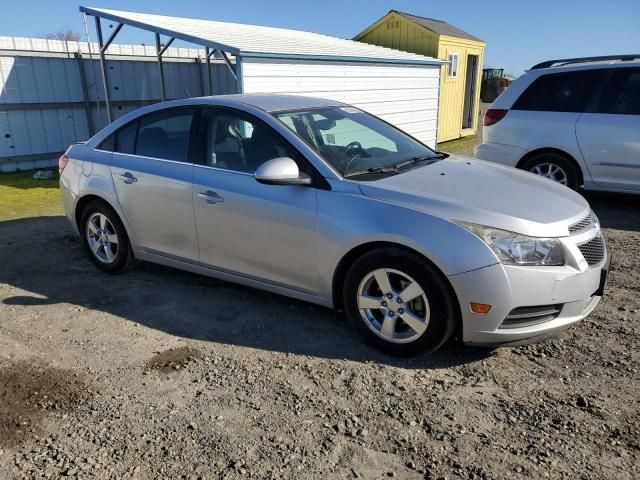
{"x":274,"y":103}
{"x":586,"y":65}
{"x":265,"y":102}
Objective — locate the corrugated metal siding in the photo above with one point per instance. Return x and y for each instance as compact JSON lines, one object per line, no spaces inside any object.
{"x":42,"y":108}
{"x":28,"y":44}
{"x":405,"y":96}
{"x":49,"y":80}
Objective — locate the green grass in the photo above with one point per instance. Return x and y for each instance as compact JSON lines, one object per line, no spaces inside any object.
{"x":22,"y":196}
{"x":461,"y":146}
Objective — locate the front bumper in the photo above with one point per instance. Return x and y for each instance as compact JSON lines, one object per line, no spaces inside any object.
{"x":575,"y":292}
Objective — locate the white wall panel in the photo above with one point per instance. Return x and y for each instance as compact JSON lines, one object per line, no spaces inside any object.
{"x":405,"y":96}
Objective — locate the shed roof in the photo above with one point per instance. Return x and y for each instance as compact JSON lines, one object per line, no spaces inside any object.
{"x":259,"y":41}
{"x":439,"y":26}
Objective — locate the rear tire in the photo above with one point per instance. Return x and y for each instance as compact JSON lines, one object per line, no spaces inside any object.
{"x":555,"y":167}
{"x":105,"y":239}
{"x":415,"y":325}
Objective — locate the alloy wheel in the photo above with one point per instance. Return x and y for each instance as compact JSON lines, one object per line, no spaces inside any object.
{"x":551,"y":171}
{"x":102,"y":238}
{"x":393,"y":305}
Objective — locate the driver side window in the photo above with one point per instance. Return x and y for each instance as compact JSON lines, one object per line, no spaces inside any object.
{"x":241,"y":143}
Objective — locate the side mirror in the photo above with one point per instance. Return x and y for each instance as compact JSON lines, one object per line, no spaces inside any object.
{"x":281,"y":171}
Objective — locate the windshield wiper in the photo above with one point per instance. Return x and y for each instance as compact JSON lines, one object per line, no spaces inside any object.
{"x":371,"y":170}
{"x":396,"y":167}
{"x":418,"y":159}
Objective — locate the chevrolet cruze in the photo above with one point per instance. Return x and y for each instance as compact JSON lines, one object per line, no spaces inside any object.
{"x":324,"y":202}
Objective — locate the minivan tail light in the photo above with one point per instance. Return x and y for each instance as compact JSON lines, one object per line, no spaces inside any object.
{"x":62,"y":162}
{"x":493,"y":116}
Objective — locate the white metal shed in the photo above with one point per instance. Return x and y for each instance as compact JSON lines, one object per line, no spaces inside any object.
{"x":400,"y":87}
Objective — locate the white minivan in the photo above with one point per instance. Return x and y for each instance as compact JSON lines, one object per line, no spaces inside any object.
{"x":575,"y":121}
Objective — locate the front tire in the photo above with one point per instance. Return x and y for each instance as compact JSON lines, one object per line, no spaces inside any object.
{"x":105,"y":239}
{"x":554,"y":167}
{"x":399,"y":302}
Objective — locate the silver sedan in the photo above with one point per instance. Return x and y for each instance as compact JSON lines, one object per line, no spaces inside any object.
{"x":324,"y":202}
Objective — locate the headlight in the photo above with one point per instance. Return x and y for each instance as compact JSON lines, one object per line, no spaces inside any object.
{"x":515,"y":249}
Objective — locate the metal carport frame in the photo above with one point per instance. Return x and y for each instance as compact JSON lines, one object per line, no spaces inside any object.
{"x":210,"y":49}
{"x":245,"y":41}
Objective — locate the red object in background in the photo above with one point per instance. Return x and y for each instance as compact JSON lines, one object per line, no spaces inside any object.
{"x":493,"y":115}
{"x":62,"y":162}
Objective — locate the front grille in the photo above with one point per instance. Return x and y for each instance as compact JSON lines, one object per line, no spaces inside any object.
{"x":529,"y":316}
{"x":583,"y":225}
{"x":593,"y":250}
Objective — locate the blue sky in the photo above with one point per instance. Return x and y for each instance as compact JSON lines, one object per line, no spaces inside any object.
{"x":518,"y":33}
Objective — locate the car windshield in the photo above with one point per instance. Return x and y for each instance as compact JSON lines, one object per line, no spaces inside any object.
{"x":356,"y":143}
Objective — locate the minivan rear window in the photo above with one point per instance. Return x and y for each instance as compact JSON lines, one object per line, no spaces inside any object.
{"x":561,"y":92}
{"x":621,"y":95}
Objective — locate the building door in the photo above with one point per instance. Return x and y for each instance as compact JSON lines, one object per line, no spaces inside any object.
{"x":470,"y":92}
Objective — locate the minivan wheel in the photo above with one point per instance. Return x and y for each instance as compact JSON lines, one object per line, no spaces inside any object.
{"x":105,"y":238}
{"x":554,"y":167}
{"x":399,"y":302}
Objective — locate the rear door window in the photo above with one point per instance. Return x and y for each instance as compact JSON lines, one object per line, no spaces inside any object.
{"x":561,"y":92}
{"x":165,"y":135}
{"x":621,"y":95}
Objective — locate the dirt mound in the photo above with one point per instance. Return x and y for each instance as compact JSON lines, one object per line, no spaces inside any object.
{"x":174,"y":359}
{"x":28,"y":391}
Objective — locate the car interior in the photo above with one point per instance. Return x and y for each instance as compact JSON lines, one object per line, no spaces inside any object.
{"x":343,"y":141}
{"x":239,"y":145}
{"x":165,"y":137}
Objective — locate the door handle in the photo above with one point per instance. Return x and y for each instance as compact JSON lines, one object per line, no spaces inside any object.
{"x":211,"y":197}
{"x":127,"y":178}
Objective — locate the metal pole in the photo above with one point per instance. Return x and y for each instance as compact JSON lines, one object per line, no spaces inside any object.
{"x":228,"y":62}
{"x":163,"y":95}
{"x":103,"y":67}
{"x":93,"y":65}
{"x":208,"y":57}
{"x":85,"y":92}
{"x":167,"y":45}
{"x":200,"y":79}
{"x":239,"y":81}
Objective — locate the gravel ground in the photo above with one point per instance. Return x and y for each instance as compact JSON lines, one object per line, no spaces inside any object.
{"x":164,"y":374}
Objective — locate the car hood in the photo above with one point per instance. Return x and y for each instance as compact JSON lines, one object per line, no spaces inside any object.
{"x":471,"y":190}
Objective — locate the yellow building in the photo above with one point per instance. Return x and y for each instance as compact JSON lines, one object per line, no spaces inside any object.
{"x":459,"y":79}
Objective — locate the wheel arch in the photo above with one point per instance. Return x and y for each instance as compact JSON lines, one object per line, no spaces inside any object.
{"x":557,"y":151}
{"x":356,"y":252}
{"x":86,"y":200}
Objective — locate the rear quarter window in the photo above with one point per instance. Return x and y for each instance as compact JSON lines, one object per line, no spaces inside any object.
{"x":109,"y":144}
{"x":561,"y":92}
{"x":126,"y":138}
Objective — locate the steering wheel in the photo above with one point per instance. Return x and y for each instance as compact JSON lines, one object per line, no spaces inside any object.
{"x":354,"y":146}
{"x":357,"y":149}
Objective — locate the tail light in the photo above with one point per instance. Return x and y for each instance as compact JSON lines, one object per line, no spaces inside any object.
{"x":62,"y":162}
{"x":493,"y":116}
